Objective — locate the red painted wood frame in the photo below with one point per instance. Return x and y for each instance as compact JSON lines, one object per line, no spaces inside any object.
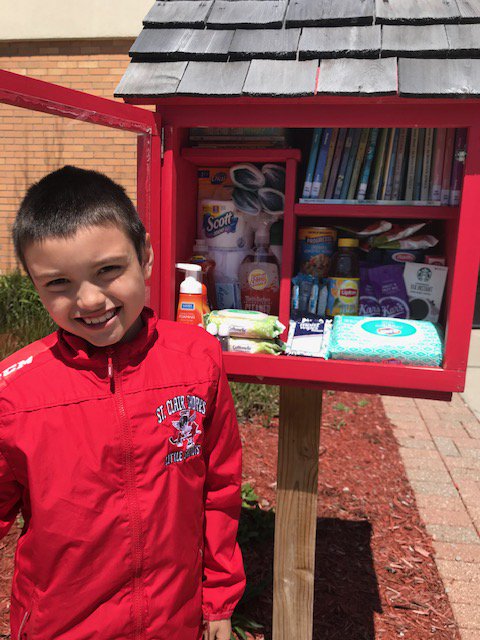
{"x":459,"y":225}
{"x":29,"y":93}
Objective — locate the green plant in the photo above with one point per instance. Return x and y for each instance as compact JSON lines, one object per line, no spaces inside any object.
{"x":255,"y":400}
{"x":363,"y":402}
{"x":23,"y":318}
{"x":340,"y":406}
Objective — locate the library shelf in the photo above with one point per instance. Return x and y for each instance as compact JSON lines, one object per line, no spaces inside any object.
{"x":373,"y":210}
{"x":206,"y":155}
{"x":370,"y":377}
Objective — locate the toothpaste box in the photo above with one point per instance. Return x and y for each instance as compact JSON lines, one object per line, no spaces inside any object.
{"x":425,"y":284}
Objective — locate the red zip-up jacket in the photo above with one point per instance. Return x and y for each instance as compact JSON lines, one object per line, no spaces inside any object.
{"x":126,"y":465}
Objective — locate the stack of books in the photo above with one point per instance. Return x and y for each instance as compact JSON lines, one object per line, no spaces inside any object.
{"x":385,"y":166}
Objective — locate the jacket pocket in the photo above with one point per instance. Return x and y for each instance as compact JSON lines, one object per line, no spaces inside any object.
{"x":22,"y":633}
{"x":26,"y":621}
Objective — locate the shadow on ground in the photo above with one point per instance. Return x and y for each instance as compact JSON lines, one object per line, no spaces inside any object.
{"x":346,"y":593}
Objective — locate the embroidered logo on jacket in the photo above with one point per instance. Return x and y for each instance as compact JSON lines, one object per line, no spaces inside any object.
{"x":183,"y":413}
{"x":15,"y":367}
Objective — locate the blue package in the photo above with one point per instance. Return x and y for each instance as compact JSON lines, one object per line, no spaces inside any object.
{"x":395,"y":340}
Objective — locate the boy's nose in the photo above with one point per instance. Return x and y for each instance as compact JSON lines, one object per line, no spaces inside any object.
{"x":90,"y":297}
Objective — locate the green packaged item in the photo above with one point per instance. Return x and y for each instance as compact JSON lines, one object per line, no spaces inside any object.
{"x":250,"y":345}
{"x":247,"y":324}
{"x":386,"y":340}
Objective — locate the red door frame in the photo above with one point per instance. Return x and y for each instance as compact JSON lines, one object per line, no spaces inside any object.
{"x":37,"y":95}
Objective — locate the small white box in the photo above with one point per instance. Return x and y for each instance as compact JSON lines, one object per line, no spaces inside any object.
{"x":425,"y":284}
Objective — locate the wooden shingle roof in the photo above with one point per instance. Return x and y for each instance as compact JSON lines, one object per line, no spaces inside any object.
{"x":411,"y":48}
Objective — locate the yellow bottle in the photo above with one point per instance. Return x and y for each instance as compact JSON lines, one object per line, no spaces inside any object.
{"x":191,"y":300}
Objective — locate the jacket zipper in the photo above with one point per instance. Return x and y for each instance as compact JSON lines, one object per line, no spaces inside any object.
{"x":132,"y":501}
{"x":22,"y":626}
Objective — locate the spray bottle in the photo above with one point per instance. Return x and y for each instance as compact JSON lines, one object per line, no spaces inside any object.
{"x":191,"y":301}
{"x":259,"y":276}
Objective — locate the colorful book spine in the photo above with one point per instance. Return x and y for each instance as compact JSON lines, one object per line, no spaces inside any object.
{"x":351,"y":162}
{"x":417,"y":183}
{"x":367,"y":164}
{"x":427,"y":163}
{"x":447,"y":166}
{"x":397,"y":175}
{"x":412,"y":157}
{"x":391,"y":167}
{"x":457,"y":166}
{"x":437,"y":165}
{"x":328,"y":164}
{"x":321,"y":162}
{"x":378,"y":164}
{"x":343,"y":163}
{"x":342,"y":134}
{"x":386,"y":164}
{"x":312,"y":160}
{"x":362,"y":146}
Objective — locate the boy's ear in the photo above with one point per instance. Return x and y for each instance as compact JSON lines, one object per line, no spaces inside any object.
{"x":147,"y":263}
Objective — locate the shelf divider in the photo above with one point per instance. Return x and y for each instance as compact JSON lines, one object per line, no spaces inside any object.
{"x":205,"y":156}
{"x":329,"y":210}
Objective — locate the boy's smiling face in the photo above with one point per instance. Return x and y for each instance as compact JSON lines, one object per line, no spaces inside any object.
{"x":92,"y":283}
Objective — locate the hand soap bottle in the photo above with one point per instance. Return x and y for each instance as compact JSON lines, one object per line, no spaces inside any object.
{"x":259,"y":277}
{"x":191,"y":299}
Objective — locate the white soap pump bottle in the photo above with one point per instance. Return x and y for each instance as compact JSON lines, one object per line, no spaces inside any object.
{"x":190,"y":301}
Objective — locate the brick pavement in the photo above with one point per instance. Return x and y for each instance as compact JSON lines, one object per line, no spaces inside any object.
{"x":440,"y":447}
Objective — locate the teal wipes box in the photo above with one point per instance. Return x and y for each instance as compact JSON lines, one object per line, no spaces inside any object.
{"x":386,"y":340}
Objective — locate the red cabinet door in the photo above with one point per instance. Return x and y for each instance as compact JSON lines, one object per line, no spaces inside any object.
{"x":37,"y":95}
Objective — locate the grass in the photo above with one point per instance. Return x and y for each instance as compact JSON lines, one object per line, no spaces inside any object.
{"x":22,"y":316}
{"x":259,"y":401}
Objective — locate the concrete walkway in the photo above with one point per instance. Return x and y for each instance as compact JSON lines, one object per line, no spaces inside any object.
{"x":440,"y":446}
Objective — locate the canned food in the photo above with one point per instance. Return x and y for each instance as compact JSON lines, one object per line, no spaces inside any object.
{"x":315,"y":247}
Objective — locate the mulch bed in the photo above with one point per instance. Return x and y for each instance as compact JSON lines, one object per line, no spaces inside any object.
{"x":375,"y":576}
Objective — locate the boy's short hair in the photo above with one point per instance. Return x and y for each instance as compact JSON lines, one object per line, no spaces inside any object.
{"x":70,"y":199}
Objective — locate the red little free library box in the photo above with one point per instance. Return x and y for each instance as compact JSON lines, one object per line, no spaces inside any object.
{"x":208,"y":64}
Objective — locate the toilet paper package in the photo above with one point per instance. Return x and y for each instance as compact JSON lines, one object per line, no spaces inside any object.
{"x":386,"y":340}
{"x":214,"y":183}
{"x":224,"y":226}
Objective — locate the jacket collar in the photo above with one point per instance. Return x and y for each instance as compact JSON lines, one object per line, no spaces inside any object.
{"x":83,"y":355}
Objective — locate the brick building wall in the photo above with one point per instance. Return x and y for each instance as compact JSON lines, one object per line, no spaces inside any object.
{"x":32,"y":144}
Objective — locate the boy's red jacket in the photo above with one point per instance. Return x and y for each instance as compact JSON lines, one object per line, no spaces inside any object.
{"x":126,"y":464}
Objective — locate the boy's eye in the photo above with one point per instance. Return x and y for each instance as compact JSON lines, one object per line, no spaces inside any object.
{"x":57,"y":282}
{"x":110,"y":269}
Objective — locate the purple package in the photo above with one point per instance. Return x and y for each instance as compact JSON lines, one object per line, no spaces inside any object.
{"x":390,"y":291}
{"x":368,"y":305}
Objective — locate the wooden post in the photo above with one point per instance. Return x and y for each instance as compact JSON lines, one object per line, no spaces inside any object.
{"x":296,"y":513}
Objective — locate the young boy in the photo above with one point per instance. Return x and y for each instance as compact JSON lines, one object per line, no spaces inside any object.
{"x":118,"y":438}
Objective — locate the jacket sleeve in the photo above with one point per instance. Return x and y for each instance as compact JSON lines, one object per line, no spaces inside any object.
{"x":10,"y":497}
{"x":224,"y":577}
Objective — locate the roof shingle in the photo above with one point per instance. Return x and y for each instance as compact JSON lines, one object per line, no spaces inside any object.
{"x":365,"y":37}
{"x":247,"y":14}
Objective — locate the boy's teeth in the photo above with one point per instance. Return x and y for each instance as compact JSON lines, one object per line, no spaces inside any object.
{"x":100,"y":319}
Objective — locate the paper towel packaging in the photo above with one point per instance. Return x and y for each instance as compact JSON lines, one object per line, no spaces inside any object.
{"x":425,"y":284}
